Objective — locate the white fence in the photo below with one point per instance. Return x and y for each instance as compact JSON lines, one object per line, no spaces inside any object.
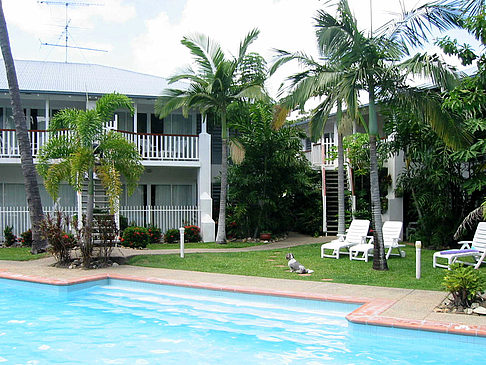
{"x":317,"y":153}
{"x":164,"y":217}
{"x":19,"y":218}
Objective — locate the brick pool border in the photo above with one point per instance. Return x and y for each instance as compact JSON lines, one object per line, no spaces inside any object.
{"x":368,"y":313}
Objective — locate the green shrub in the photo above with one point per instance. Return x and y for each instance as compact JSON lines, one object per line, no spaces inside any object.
{"x":464,"y":283}
{"x":192,"y":234}
{"x":155,"y":233}
{"x":9,"y":237}
{"x":60,"y":242}
{"x":26,"y":238}
{"x":171,"y":236}
{"x":135,"y":237}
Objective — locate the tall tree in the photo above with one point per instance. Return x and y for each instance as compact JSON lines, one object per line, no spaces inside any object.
{"x":356,"y":62}
{"x":87,"y":148}
{"x":27,"y":163}
{"x":211,"y":88}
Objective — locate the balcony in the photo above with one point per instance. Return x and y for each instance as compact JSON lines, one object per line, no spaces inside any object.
{"x":322,"y":154}
{"x":155,"y":149}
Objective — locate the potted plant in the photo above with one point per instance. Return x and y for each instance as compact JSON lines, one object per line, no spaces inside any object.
{"x":265,"y":235}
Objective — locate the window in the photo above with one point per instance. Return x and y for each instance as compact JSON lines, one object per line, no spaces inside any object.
{"x":177,"y":124}
{"x":174,"y":195}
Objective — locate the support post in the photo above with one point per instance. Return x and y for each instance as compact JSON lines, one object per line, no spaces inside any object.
{"x":418,"y":259}
{"x":181,"y":235}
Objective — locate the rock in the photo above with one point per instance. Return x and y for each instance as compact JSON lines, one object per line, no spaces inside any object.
{"x":468,"y":311}
{"x":115,"y":264}
{"x":71,"y":266}
{"x":474,"y":305}
{"x":480,"y":310}
{"x":460,"y":308}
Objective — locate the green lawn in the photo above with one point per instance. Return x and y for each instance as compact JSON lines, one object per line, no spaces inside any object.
{"x":168,"y":246}
{"x":400,"y":275}
{"x":18,"y":254}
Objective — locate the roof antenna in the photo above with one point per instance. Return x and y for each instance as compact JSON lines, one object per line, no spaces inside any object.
{"x":65,"y":32}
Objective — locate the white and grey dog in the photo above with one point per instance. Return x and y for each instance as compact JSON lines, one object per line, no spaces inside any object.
{"x":296,"y":266}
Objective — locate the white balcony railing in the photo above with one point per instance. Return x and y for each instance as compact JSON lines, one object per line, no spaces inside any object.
{"x":153,"y":147}
{"x":321,"y":153}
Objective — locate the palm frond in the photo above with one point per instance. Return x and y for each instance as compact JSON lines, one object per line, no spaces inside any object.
{"x":249,"y":39}
{"x":471,"y":220}
{"x":208,"y":54}
{"x":110,"y":179}
{"x":432,"y":66}
{"x":109,"y":103}
{"x":63,"y":119}
{"x":415,"y":26}
{"x":55,"y":174}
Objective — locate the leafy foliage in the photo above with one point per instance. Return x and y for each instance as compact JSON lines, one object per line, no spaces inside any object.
{"x":53,"y":229}
{"x":264,"y":188}
{"x":464,"y":283}
{"x":192,"y":234}
{"x":78,"y":142}
{"x":172,"y":235}
{"x":26,"y":237}
{"x":136,"y":237}
{"x":155,"y":233}
{"x":10,"y":238}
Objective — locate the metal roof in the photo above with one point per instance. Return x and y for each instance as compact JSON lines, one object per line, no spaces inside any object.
{"x":81,"y":78}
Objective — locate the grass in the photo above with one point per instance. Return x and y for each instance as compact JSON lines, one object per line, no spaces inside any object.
{"x":175,"y":246}
{"x":19,"y":254}
{"x":401,"y":272}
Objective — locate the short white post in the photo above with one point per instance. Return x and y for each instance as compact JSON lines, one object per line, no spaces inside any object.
{"x":418,"y":254}
{"x":181,"y":231}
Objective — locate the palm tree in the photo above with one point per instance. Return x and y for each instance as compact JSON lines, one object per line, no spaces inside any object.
{"x":356,"y":62}
{"x":86,"y":149}
{"x":212,"y":88}
{"x":27,"y":163}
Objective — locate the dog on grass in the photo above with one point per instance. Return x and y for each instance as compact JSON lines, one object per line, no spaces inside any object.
{"x":296,"y":266}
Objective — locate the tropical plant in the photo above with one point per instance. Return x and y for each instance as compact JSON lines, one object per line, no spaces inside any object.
{"x":26,"y":237}
{"x":9,"y":237}
{"x":211,"y":88}
{"x":354,"y":62}
{"x":264,"y":186}
{"x":465,"y":284}
{"x":192,"y":233}
{"x":171,"y":235}
{"x":53,"y":228}
{"x":155,"y":233}
{"x":87,"y":148}
{"x":26,"y":161}
{"x":136,"y":237}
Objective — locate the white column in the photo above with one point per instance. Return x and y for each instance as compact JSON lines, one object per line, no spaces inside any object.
{"x":204,"y":185}
{"x":135,"y":120}
{"x":149,"y":123}
{"x":47,"y":113}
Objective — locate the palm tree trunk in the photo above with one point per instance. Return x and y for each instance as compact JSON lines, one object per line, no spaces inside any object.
{"x":27,"y":163}
{"x":221,"y":235}
{"x":341,"y":203}
{"x":379,"y":260}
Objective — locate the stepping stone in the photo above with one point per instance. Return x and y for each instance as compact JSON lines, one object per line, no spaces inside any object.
{"x":270,"y":260}
{"x":280,"y":265}
{"x":304,"y":274}
{"x":326,"y":279}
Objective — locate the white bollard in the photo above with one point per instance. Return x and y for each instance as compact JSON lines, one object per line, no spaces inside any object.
{"x":418,"y":254}
{"x":181,"y":235}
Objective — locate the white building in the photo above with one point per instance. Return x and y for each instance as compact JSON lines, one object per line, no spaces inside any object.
{"x":175,"y":187}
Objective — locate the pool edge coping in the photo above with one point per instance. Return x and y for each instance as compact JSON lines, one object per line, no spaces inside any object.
{"x":369,"y":313}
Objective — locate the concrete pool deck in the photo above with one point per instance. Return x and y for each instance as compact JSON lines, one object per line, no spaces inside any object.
{"x":394,"y":307}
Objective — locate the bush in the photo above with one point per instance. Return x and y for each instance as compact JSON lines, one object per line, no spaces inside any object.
{"x":464,"y":283}
{"x":60,"y":242}
{"x":26,"y":238}
{"x":171,"y":236}
{"x":9,"y":237}
{"x":135,"y":237}
{"x":155,"y":233}
{"x":192,"y":234}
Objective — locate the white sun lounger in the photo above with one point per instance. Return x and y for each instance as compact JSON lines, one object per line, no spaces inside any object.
{"x":392,"y":231}
{"x":356,"y":234}
{"x":475,"y":249}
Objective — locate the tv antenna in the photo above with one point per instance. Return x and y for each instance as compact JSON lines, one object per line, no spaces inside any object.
{"x":65,"y":32}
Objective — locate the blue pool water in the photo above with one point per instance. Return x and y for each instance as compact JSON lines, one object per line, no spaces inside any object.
{"x":121,"y":322}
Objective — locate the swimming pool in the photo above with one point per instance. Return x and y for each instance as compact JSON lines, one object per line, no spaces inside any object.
{"x":121,"y":322}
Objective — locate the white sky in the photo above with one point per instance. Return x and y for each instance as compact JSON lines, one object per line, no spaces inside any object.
{"x":144,"y":35}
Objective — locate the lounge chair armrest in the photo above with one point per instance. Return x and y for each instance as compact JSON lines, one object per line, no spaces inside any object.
{"x":465,"y":245}
{"x":341,"y":237}
{"x":367,"y":239}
